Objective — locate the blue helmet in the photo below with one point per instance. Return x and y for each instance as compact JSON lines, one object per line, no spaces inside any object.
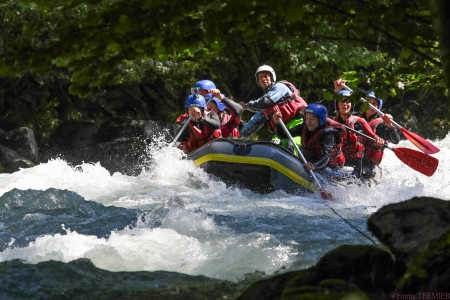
{"x":319,"y":110}
{"x":220,"y":105}
{"x":371,"y":94}
{"x":342,"y":93}
{"x":195,"y":100}
{"x":205,"y":85}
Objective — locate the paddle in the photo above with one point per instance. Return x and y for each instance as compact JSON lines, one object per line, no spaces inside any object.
{"x":418,"y":141}
{"x":418,"y":161}
{"x":324,"y":194}
{"x":421,"y":143}
{"x":186,"y":123}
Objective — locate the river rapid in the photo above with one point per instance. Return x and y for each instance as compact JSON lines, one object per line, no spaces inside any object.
{"x":175,"y":217}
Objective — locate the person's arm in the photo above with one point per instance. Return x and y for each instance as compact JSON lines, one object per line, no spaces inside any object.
{"x":272,"y":96}
{"x":362,"y":124}
{"x":235,"y":107}
{"x":211,"y":120}
{"x":327,"y":141}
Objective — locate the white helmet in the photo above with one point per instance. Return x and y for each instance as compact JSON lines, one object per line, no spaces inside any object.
{"x":266,"y":68}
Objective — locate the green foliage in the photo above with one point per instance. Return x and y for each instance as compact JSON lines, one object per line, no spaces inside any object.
{"x":163,"y":47}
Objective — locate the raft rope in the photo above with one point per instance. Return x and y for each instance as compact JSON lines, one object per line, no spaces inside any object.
{"x":351,"y":225}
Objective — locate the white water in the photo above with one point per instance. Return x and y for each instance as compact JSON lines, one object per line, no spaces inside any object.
{"x":189,"y":240}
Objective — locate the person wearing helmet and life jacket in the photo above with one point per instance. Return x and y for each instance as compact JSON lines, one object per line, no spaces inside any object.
{"x":280,"y":96}
{"x":229,"y":113}
{"x":381,"y":126}
{"x":352,"y":143}
{"x":320,"y":141}
{"x":202,"y":126}
{"x":230,"y":117}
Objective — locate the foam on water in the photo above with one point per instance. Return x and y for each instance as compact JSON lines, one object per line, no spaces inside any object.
{"x":208,"y":228}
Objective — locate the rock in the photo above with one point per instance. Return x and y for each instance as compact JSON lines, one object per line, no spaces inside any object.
{"x":81,"y":279}
{"x":344,"y":272}
{"x":370,"y":268}
{"x":408,"y":227}
{"x":18,"y":149}
{"x":417,"y":231}
{"x":429,"y":271}
{"x":11,"y":161}
{"x":118,"y":148}
{"x":23,"y":141}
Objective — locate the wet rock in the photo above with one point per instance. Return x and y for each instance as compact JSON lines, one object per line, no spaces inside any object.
{"x":26,"y":215}
{"x":370,"y":268}
{"x":344,"y":272}
{"x":417,"y":232}
{"x":429,"y":271}
{"x":408,"y":227}
{"x":11,"y":161}
{"x":80,"y":279}
{"x":23,"y":141}
{"x":118,"y":147}
{"x":18,"y":149}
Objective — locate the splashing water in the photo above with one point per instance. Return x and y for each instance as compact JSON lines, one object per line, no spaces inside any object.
{"x":195,"y":224}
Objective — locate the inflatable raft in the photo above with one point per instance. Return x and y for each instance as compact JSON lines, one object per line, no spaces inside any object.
{"x":259,"y":166}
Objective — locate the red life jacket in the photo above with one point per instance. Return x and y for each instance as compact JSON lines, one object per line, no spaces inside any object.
{"x":352,"y":146}
{"x":289,"y":106}
{"x":197,"y":136}
{"x":314,"y":150}
{"x":230,"y":124}
{"x":374,"y":153}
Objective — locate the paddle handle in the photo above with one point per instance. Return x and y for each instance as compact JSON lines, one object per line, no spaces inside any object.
{"x":360,"y":133}
{"x":379,"y":112}
{"x":186,"y":123}
{"x":299,"y":152}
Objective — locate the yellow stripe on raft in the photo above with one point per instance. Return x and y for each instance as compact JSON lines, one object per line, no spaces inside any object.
{"x":257,"y":161}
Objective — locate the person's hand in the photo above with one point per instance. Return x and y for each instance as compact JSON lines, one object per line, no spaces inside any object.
{"x":387,"y":118}
{"x":380,"y":142}
{"x":309,"y":166}
{"x":243,"y":105}
{"x":216,"y":93}
{"x":339,"y":84}
{"x":195,"y":113}
{"x":277,"y":116}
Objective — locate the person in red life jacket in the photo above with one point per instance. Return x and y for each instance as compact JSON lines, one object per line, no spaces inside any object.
{"x":282,"y":96}
{"x":352,"y":143}
{"x":202,"y":126}
{"x":381,"y":126}
{"x":320,"y":141}
{"x":229,"y":113}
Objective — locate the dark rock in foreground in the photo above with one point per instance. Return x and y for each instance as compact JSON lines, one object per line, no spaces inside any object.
{"x":80,"y":279}
{"x":408,"y":227}
{"x":417,"y":264}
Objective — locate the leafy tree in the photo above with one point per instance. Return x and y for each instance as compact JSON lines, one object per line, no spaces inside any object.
{"x":147,"y":53}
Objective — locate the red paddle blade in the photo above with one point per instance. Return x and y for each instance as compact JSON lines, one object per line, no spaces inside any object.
{"x":419,"y":161}
{"x":420,"y":142}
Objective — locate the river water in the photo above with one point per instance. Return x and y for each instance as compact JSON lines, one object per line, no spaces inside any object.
{"x":175,"y":217}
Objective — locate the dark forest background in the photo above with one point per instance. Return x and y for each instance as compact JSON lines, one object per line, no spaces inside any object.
{"x":114,"y":61}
